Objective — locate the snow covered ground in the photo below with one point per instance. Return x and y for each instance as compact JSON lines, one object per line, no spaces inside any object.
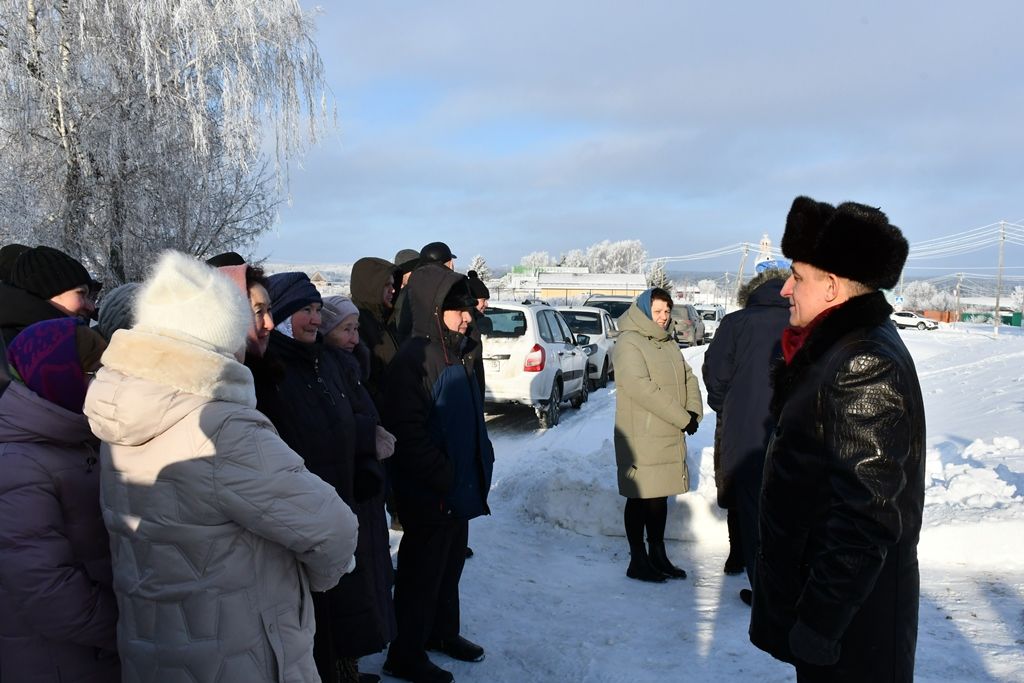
{"x":546,"y":592}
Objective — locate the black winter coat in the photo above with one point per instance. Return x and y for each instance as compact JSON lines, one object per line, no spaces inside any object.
{"x":310,"y":408}
{"x":842,"y":499}
{"x":736,"y":375}
{"x":362,"y":607}
{"x":19,"y":309}
{"x":443,"y":457}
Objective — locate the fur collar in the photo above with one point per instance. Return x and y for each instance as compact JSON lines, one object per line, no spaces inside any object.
{"x":179,"y":364}
{"x":860,"y":312}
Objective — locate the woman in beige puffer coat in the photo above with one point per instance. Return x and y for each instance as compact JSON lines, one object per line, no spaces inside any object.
{"x":657,"y":399}
{"x":218,"y":531}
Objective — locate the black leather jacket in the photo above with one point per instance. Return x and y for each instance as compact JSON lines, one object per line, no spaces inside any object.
{"x":837,"y":580}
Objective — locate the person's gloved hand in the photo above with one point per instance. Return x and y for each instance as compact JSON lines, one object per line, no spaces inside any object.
{"x":385,"y":443}
{"x":691,"y":428}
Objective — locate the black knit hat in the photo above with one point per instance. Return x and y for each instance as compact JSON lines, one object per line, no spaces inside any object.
{"x":47,"y":272}
{"x":851,"y":240}
{"x":477,"y":286}
{"x":458,"y":296}
{"x":290,"y":292}
{"x":9,"y":253}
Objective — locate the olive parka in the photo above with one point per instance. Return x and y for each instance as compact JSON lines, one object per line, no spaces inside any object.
{"x":655,"y":393}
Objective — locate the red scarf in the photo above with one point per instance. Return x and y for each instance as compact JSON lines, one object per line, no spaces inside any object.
{"x":793,"y":338}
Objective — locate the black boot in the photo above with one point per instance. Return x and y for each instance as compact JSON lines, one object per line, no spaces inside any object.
{"x":734,"y":563}
{"x":660,"y":561}
{"x":640,"y":567}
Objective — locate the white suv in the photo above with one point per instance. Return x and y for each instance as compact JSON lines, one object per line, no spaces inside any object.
{"x":531,"y":358}
{"x":596,"y":332}
{"x":712,"y":315}
{"x":910,"y":319}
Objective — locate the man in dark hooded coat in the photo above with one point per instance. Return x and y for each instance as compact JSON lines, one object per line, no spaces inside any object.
{"x":736,"y":375}
{"x":373,"y":290}
{"x":441,"y":472}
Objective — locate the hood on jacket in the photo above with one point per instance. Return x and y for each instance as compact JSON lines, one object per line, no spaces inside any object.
{"x":636,"y":320}
{"x":149,"y":382}
{"x":367,"y":281}
{"x":428,"y":288}
{"x":25,"y":416}
{"x":764,"y":297}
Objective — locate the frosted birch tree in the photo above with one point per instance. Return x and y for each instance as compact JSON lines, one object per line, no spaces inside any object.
{"x":128,"y":127}
{"x":479,"y":264}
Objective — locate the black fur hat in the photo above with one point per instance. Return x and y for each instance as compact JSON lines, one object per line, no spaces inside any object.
{"x":851,"y":240}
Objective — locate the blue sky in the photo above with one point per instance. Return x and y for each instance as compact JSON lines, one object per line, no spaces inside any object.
{"x":505,"y":128}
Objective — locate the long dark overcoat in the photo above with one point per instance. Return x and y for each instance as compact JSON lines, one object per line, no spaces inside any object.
{"x":841,"y":503}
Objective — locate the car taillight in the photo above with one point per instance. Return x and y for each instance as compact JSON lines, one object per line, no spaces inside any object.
{"x":534,"y":359}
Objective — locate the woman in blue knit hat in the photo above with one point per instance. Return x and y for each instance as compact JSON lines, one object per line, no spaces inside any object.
{"x":310,"y":405}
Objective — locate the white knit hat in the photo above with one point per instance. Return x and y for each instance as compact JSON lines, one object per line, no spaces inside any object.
{"x":185,"y":297}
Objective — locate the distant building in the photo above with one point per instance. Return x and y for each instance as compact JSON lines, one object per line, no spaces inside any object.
{"x":564,"y":285}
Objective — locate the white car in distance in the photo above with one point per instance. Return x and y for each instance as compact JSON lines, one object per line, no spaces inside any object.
{"x":596,"y":332}
{"x":531,"y":358}
{"x":904,"y":319}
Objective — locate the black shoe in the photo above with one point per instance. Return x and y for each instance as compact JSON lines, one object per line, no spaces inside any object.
{"x":640,"y":568}
{"x":660,"y":561}
{"x":469,"y":552}
{"x":424,"y":671}
{"x":458,"y":648}
{"x":733,"y":566}
{"x":747,"y":596}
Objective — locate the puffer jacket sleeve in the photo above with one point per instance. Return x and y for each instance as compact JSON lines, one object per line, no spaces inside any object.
{"x":694,"y":401}
{"x":264,"y":486}
{"x":867,"y":452}
{"x":633,"y":379}
{"x":39,"y":570}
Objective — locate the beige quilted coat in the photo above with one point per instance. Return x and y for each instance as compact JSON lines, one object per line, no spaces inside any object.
{"x":218,"y":532}
{"x":654,"y":390}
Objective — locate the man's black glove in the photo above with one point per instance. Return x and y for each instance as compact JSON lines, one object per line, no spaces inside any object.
{"x":691,"y":428}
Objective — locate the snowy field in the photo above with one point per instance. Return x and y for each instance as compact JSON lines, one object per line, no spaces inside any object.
{"x":546,"y":593}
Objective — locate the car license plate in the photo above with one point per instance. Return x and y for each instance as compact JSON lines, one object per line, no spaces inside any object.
{"x":492,"y":365}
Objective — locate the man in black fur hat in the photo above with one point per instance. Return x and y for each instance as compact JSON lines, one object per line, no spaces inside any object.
{"x":837,"y":583}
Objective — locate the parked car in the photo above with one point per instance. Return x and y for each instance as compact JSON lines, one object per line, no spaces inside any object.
{"x":532,"y":358}
{"x":689,"y":324}
{"x":594,"y":327}
{"x":712,"y":315}
{"x":904,"y":319}
{"x":615,"y":305}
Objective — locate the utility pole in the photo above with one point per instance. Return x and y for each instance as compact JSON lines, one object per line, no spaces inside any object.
{"x":959,"y":282}
{"x":999,"y":273}
{"x":739,"y":276}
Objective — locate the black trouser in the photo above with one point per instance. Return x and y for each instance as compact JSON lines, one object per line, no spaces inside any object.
{"x":746,"y":498}
{"x":430,"y":561}
{"x":645,"y":513}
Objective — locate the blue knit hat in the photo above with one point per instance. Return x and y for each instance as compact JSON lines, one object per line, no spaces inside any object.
{"x":290,"y":292}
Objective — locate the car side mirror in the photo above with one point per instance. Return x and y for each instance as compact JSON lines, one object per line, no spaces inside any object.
{"x":613,"y":333}
{"x":582,"y":339}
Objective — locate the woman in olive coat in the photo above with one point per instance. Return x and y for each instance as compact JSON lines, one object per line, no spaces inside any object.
{"x":657,"y":400}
